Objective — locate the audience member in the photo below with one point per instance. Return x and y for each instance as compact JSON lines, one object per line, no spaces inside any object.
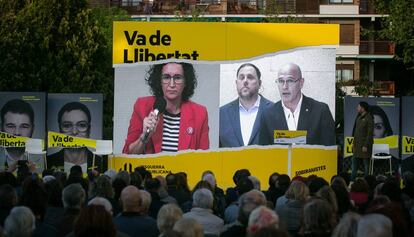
{"x":8,"y":199}
{"x":318,"y":218}
{"x":262,"y":217}
{"x":202,"y":212}
{"x":188,"y":227}
{"x":133,"y":219}
{"x":20,"y":222}
{"x":348,"y":225}
{"x":168,"y":215}
{"x":374,"y":225}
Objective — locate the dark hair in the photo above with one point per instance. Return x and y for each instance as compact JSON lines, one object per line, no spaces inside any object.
{"x":54,"y":193}
{"x":34,"y":195}
{"x":376,"y":110}
{"x":152,"y":185}
{"x":74,"y":106}
{"x":17,"y":106}
{"x":239,"y":174}
{"x":251,"y":65}
{"x":94,"y":220}
{"x":154,"y":80}
{"x":364,"y":105}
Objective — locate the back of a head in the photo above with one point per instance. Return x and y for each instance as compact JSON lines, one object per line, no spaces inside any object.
{"x":316,"y":184}
{"x":374,"y":225}
{"x":297,"y":191}
{"x":124,"y":175}
{"x":210,"y":179}
{"x":256,"y":182}
{"x":328,"y":195}
{"x":168,"y":215}
{"x":131,"y":199}
{"x":34,"y":195}
{"x":283,"y":182}
{"x":203,"y":198}
{"x":76,"y":171}
{"x":318,"y":217}
{"x":244,"y":185}
{"x":240,"y":174}
{"x":269,"y":232}
{"x":93,"y":221}
{"x":152,"y":185}
{"x":146,"y":201}
{"x":100,"y":201}
{"x":248,"y":202}
{"x":262,"y":217}
{"x":20,"y":222}
{"x":103,"y":187}
{"x":189,"y":227}
{"x":8,"y":196}
{"x":73,"y":196}
{"x":348,"y":225}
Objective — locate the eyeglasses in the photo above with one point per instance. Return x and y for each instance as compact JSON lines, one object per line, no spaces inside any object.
{"x":289,"y":82}
{"x":80,"y":126}
{"x":178,"y":79}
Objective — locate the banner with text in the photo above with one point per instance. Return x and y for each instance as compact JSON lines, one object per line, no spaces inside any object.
{"x":385,"y":112}
{"x":23,"y":116}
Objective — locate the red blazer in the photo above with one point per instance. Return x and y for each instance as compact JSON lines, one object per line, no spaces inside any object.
{"x":193,"y":126}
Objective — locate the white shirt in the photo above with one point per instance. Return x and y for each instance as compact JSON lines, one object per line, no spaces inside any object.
{"x":292,"y":119}
{"x":247,"y":118}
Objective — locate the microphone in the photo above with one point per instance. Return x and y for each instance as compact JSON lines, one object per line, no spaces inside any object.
{"x":159,"y":107}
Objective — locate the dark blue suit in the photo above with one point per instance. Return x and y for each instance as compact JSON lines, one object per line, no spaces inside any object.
{"x":230,"y":131}
{"x":315,"y":117}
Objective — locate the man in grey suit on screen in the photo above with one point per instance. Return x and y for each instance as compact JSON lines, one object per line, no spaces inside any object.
{"x":240,"y":119}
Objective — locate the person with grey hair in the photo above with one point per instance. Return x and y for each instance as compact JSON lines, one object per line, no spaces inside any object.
{"x":188,"y":227}
{"x":168,"y":215}
{"x":248,"y":202}
{"x":262,"y":217}
{"x":295,"y":111}
{"x":203,"y":213}
{"x":348,"y":225}
{"x":255,"y":181}
{"x":374,"y":225}
{"x":133,"y":221}
{"x":73,"y":198}
{"x":101,"y":202}
{"x":20,"y":222}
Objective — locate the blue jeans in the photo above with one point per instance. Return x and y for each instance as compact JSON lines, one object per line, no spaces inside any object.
{"x":355,"y":163}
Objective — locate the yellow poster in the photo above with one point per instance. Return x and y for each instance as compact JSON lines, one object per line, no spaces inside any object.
{"x":316,"y":160}
{"x":62,"y":140}
{"x":9,"y":140}
{"x":137,"y":42}
{"x":261,"y":162}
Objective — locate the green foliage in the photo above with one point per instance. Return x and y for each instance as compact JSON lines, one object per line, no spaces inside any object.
{"x":364,"y":86}
{"x":399,"y":27}
{"x":273,"y":11}
{"x":57,"y":46}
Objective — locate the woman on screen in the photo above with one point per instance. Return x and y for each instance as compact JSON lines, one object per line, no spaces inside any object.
{"x":382,"y":127}
{"x":182,"y":125}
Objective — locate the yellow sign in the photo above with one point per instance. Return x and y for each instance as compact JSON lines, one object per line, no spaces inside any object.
{"x":289,"y":137}
{"x":318,"y":161}
{"x":408,"y":145}
{"x":9,"y":140}
{"x":137,"y":42}
{"x":62,"y":140}
{"x":260,"y":161}
{"x":392,"y":141}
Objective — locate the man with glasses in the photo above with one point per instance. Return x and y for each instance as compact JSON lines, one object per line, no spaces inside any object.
{"x":74,"y":119}
{"x":17,"y":118}
{"x":240,"y":119}
{"x":296,"y":111}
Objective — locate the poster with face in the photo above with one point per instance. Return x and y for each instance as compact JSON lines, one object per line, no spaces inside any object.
{"x":407,"y":133}
{"x":22,"y":114}
{"x":385,"y":112}
{"x":78,"y":115}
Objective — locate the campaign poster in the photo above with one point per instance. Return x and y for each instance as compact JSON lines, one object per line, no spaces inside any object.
{"x":407,"y":133}
{"x":310,"y":90}
{"x":154,"y":60}
{"x":386,"y":115}
{"x":76,"y":115}
{"x":22,"y":114}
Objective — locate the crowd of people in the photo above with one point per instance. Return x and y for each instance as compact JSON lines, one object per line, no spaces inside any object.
{"x":137,"y":204}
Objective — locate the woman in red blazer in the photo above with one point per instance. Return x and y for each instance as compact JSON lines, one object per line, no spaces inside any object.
{"x":183,"y":125}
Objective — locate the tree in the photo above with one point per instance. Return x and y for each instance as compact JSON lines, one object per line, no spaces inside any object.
{"x":399,"y":27}
{"x":57,"y":46}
